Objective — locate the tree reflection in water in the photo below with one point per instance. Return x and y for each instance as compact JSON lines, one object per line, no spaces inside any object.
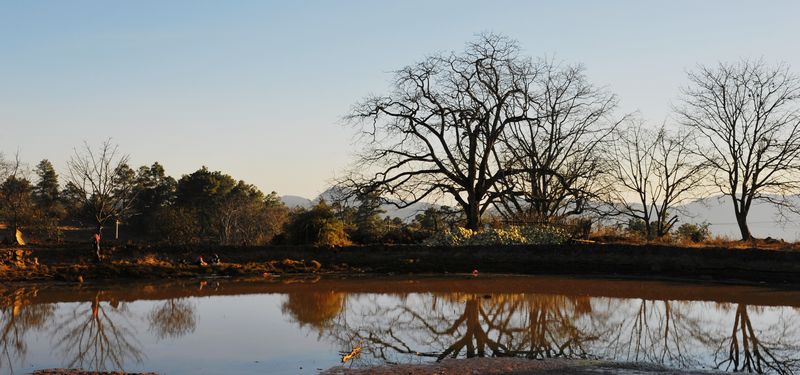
{"x":763,"y":350}
{"x":420,"y":327}
{"x":173,"y":318}
{"x":456,"y":324}
{"x":552,"y":327}
{"x":411,"y":327}
{"x":315,"y":309}
{"x":658,"y":332}
{"x":17,"y":318}
{"x":98,"y":336}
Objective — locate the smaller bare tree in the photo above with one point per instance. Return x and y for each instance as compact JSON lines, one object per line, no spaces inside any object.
{"x":747,"y":118}
{"x":633,"y":172}
{"x":679,"y":178}
{"x":95,"y":174}
{"x":655,"y":172}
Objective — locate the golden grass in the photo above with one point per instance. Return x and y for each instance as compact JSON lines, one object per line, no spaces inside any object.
{"x":620,"y":235}
{"x":612,"y":235}
{"x":151,"y":260}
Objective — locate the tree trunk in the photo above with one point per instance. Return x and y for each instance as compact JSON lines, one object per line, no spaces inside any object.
{"x":741,"y":220}
{"x":473,"y":216}
{"x":648,"y":230}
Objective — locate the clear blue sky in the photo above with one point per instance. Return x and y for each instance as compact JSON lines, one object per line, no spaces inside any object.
{"x":257,"y":88}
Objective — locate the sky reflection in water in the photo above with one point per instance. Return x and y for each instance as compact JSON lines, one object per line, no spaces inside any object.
{"x":301,"y":326}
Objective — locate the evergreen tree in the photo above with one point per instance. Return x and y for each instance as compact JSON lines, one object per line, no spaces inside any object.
{"x":153,"y":190}
{"x":369,"y":226}
{"x":46,"y":191}
{"x":48,"y":199}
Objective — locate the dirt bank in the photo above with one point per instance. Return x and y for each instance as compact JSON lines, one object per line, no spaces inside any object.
{"x":61,"y":371}
{"x":473,"y":366}
{"x":74,"y":262}
{"x":515,"y":366}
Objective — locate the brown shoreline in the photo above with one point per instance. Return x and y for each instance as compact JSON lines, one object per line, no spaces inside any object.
{"x":62,"y":371}
{"x":73,"y":262}
{"x":514,"y":366}
{"x":473,"y":366}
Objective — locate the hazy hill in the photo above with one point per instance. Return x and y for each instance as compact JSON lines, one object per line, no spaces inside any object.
{"x":293,"y":201}
{"x":407,"y":214}
{"x":764,"y":219}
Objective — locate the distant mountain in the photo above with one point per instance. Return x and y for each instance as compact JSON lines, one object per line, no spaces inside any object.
{"x":293,"y":201}
{"x":390,"y":210}
{"x":408,"y":213}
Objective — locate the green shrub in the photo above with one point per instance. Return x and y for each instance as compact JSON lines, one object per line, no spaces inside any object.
{"x":693,"y":232}
{"x":317,"y":226}
{"x":637,"y":226}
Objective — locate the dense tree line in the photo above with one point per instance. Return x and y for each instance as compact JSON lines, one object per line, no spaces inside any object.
{"x":102,"y":190}
{"x":205,"y":206}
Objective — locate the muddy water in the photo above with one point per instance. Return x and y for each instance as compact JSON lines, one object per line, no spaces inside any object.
{"x":301,"y":326}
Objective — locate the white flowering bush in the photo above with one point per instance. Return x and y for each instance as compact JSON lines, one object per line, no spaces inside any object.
{"x":512,"y":235}
{"x":546,"y":235}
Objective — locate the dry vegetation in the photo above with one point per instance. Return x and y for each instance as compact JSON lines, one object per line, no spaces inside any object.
{"x":615,"y":234}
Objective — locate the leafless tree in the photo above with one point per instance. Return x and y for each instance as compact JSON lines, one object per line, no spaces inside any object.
{"x":560,"y":149}
{"x":747,"y":116}
{"x":95,"y":174}
{"x":438,"y":132}
{"x":654,"y":172}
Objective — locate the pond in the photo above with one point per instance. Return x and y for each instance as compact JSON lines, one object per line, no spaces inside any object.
{"x":302,"y":326}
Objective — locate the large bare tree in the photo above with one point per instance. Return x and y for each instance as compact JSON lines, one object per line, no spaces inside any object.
{"x":747,"y":117}
{"x":98,"y":178}
{"x":654,"y":172}
{"x":438,"y":131}
{"x":560,"y":149}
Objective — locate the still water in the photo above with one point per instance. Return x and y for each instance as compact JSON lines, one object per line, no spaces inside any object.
{"x":302,"y":326}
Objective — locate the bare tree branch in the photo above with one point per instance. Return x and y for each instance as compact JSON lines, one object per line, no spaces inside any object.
{"x":96,"y":175}
{"x":747,"y":118}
